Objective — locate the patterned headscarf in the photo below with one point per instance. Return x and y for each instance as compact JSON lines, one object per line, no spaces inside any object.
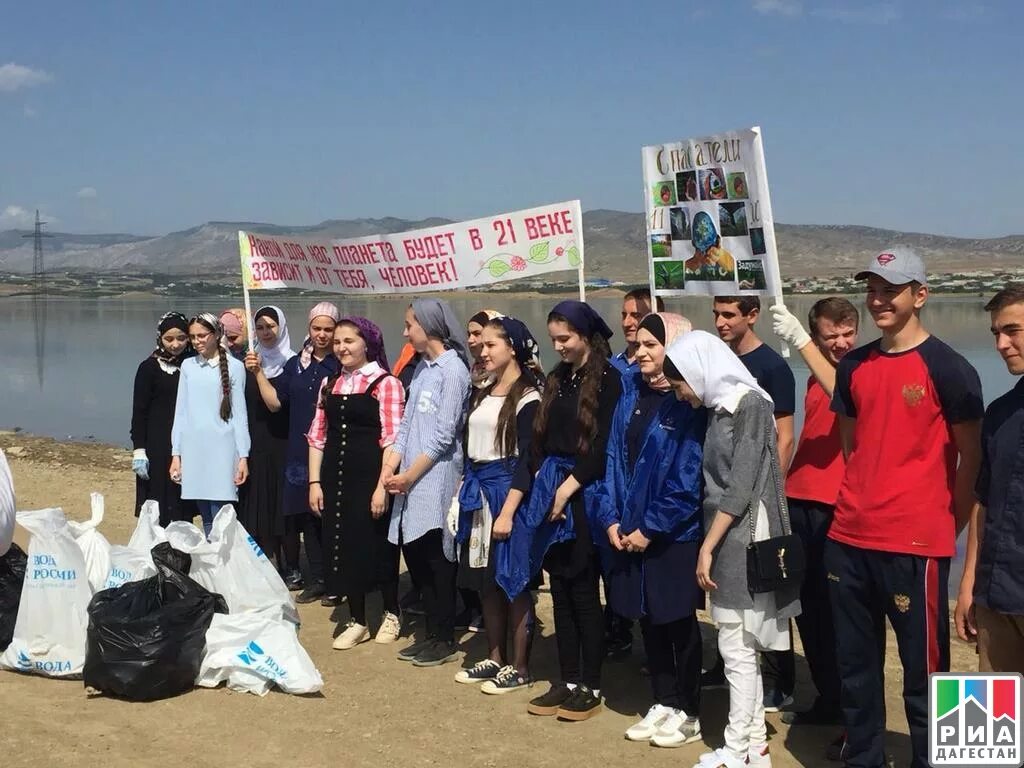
{"x":169,"y":362}
{"x":323,"y":309}
{"x":524,"y":346}
{"x":666,"y":327}
{"x":372,"y":336}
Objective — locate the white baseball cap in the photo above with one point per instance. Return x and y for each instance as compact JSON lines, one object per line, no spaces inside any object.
{"x":897,"y":265}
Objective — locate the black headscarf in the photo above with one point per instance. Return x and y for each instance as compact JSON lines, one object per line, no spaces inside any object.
{"x":167,"y":322}
{"x":583,"y":318}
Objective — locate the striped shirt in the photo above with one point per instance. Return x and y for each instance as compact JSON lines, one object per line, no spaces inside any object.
{"x":7,"y":510}
{"x":432,"y":425}
{"x":389,"y":393}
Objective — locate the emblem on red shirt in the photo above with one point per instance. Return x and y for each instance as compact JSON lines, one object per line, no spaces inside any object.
{"x":902,"y":603}
{"x":913,"y":394}
{"x":885,"y":258}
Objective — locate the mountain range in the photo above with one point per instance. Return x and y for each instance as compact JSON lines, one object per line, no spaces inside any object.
{"x":615,"y":247}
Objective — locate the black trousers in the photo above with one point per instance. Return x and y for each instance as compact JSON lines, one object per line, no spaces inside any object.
{"x":312,"y":530}
{"x":811,"y":521}
{"x":435,"y":574}
{"x":673,"y":658}
{"x":579,"y":623}
{"x":912,"y":592}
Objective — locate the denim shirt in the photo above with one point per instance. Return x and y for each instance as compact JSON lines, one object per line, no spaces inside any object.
{"x":999,"y":577}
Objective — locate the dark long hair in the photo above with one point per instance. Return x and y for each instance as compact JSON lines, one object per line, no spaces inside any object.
{"x":590,"y":386}
{"x":225,"y":379}
{"x":506,"y":438}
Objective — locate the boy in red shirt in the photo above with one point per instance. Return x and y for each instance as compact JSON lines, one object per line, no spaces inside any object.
{"x":910,"y":411}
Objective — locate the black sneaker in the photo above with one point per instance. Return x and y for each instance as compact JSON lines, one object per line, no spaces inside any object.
{"x":619,"y":649}
{"x":818,"y":714}
{"x":439,"y":652}
{"x":507,"y":680}
{"x":411,"y":602}
{"x":582,"y":705}
{"x":464,"y":619}
{"x":410,"y":652}
{"x":293,"y":580}
{"x":548,"y":703}
{"x":714,"y":677}
{"x":774,"y":700}
{"x":332,"y":601}
{"x":482,"y":670}
{"x":312,"y":593}
{"x":836,"y":751}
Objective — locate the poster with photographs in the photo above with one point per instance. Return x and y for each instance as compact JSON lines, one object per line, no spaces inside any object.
{"x":709,"y":218}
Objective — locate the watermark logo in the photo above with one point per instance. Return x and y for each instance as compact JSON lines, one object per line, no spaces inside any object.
{"x":974,"y":719}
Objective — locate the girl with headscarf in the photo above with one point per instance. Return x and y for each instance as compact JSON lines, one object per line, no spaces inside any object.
{"x":236,"y":331}
{"x":474,"y":341}
{"x":649,"y":529}
{"x":261,"y":500}
{"x":156,"y":390}
{"x":210,"y":435}
{"x":357,"y":418}
{"x":296,"y":391}
{"x":498,"y":435}
{"x":423,"y":468}
{"x":562,"y":478}
{"x":741,"y":479}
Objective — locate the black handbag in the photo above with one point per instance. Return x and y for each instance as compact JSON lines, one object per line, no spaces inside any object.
{"x":777,"y":562}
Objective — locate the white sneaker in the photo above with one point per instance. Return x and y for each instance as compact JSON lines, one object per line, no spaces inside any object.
{"x":758,"y":757}
{"x":353,"y":635}
{"x":645,"y":729}
{"x":389,"y":630}
{"x":720,"y":759}
{"x":676,"y":730}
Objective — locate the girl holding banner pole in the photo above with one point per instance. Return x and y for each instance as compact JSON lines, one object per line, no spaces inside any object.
{"x":423,"y":469}
{"x":297,"y":389}
{"x":570,"y":436}
{"x":498,"y":439}
{"x":652,"y":518}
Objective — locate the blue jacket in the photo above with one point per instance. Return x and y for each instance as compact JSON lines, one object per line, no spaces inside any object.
{"x":662,"y":495}
{"x":489,"y":480}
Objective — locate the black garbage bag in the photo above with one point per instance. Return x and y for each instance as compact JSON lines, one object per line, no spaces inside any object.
{"x":12,"y":577}
{"x":146,"y":639}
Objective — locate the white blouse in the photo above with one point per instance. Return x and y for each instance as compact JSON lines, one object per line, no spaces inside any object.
{"x":483,"y":426}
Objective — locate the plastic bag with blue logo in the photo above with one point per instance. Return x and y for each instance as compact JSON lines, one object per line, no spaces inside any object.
{"x":49,"y":634}
{"x":146,"y":638}
{"x":12,"y":579}
{"x":255,"y":651}
{"x":94,"y":545}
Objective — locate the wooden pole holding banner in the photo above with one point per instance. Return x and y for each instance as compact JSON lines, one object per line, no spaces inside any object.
{"x":579,"y":270}
{"x":773,"y":272}
{"x":247,"y":303}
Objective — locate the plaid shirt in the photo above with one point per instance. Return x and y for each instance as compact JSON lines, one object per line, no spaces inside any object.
{"x":389,"y":393}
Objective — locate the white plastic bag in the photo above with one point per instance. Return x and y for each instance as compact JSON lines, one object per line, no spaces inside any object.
{"x":148,"y":533}
{"x":7,"y":514}
{"x":94,"y":545}
{"x":232,"y":565}
{"x":253,"y":651}
{"x":127,"y":564}
{"x":49,"y":634}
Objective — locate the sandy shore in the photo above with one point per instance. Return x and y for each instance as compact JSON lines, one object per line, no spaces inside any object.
{"x":373,"y":711}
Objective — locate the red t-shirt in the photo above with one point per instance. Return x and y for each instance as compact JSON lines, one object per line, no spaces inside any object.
{"x":818,"y":465}
{"x":897,"y":492}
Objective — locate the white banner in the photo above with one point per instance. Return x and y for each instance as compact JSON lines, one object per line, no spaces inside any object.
{"x":510,"y":246}
{"x":709,"y":217}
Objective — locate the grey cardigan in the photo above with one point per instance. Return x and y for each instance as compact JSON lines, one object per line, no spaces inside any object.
{"x":737,"y":474}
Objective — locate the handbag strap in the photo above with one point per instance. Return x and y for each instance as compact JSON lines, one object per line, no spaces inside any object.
{"x":772,"y":447}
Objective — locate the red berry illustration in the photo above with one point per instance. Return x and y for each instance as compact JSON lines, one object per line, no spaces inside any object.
{"x":559,"y":251}
{"x":518,"y":263}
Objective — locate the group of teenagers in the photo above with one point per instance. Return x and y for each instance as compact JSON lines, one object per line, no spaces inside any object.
{"x":652,"y":470}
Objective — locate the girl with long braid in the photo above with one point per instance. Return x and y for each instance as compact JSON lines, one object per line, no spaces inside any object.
{"x":210,"y":436}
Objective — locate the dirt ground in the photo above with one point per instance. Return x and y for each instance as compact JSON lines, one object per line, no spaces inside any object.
{"x":374,"y":710}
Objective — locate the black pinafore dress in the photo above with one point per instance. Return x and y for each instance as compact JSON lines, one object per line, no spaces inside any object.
{"x":357,"y":556}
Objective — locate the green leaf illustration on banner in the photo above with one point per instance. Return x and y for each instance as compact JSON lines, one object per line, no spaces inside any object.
{"x":668,"y":275}
{"x":498,"y":268}
{"x":540,"y":253}
{"x":574,"y":256}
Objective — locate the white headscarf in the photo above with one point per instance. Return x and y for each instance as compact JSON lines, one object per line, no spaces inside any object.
{"x":273,"y":358}
{"x":712,"y":370}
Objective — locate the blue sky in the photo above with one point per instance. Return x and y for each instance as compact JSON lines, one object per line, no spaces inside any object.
{"x":152,"y":117}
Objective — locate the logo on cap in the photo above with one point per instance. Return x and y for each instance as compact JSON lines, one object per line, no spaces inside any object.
{"x":886,"y":258}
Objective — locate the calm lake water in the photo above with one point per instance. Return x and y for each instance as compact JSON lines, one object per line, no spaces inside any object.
{"x":68,"y":365}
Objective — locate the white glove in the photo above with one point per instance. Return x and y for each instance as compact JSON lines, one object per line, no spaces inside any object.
{"x":788,"y":328}
{"x":453,"y":516}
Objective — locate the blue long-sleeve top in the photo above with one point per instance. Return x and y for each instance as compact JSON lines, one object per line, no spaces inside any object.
{"x":660,"y":493}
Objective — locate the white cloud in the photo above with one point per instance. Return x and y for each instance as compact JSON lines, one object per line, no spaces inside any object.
{"x":17,"y":217}
{"x":14,"y":77}
{"x":877,"y":13}
{"x":87,"y":193}
{"x":779,"y":7}
{"x":29,"y":111}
